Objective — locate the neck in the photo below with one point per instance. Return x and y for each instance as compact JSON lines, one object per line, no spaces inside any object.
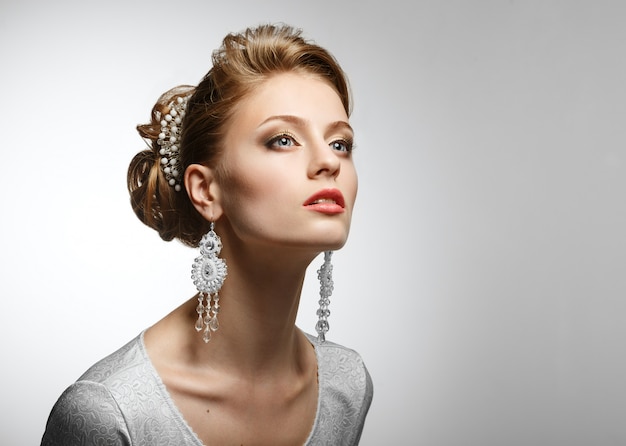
{"x":258,"y":307}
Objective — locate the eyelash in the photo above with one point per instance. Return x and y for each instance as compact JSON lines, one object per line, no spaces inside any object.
{"x":348,"y":143}
{"x":274,"y":139}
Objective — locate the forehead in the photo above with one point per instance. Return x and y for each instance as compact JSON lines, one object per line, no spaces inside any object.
{"x":309,"y":97}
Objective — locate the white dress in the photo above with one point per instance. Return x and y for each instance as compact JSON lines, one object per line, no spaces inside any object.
{"x":121,"y":400}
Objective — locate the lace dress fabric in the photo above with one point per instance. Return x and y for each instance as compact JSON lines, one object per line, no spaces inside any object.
{"x":121,"y":400}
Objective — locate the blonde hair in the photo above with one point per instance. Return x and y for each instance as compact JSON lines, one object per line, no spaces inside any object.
{"x":243,"y":61}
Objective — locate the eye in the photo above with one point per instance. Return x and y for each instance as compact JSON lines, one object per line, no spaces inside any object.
{"x":281,"y":141}
{"x":342,"y":145}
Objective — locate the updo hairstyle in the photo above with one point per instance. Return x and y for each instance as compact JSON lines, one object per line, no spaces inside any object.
{"x":241,"y":63}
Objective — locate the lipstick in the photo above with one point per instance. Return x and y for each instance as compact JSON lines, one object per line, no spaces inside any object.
{"x":326,"y":201}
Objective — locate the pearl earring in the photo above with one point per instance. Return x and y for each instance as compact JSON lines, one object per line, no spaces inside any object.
{"x":208,"y":273}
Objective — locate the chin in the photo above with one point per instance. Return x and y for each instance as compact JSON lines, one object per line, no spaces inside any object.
{"x":333,"y":243}
{"x":321,"y":238}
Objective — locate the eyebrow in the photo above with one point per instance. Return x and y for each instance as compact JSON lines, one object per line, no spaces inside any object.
{"x":299,"y":122}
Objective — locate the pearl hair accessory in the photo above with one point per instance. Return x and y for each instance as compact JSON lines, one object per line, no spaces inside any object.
{"x":169,"y":139}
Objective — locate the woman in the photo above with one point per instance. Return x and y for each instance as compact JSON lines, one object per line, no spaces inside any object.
{"x":254,"y":166}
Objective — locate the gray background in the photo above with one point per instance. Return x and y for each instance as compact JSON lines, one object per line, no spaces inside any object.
{"x":484,"y":280}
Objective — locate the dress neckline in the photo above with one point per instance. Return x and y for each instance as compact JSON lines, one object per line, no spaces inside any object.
{"x":180,"y":419}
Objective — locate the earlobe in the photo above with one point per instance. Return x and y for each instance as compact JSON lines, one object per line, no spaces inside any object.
{"x":203,"y":191}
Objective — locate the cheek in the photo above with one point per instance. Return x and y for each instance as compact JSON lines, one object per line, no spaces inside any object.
{"x":352,"y":183}
{"x":255,"y":203}
{"x":238,"y":193}
{"x":247,"y":187}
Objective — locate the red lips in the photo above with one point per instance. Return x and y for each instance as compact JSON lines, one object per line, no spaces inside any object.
{"x":326,"y":201}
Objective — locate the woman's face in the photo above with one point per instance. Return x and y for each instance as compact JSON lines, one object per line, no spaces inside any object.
{"x":286,"y":174}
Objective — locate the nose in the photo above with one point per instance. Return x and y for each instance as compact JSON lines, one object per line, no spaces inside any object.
{"x":323,"y":161}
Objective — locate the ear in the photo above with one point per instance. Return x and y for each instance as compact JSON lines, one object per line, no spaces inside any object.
{"x":203,"y":191}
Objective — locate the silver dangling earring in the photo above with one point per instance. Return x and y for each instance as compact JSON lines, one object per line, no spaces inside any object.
{"x":208,"y":273}
{"x":325,"y":276}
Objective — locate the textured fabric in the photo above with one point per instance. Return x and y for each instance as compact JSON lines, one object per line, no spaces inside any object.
{"x":121,"y":400}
